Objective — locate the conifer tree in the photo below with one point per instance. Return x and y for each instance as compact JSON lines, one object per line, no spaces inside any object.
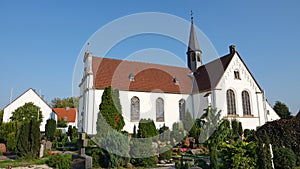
{"x":263,"y":152}
{"x":50,"y":129}
{"x":35,"y":138}
{"x":134,"y":135}
{"x":187,"y":121}
{"x":28,"y":139}
{"x":110,"y":111}
{"x":23,"y":140}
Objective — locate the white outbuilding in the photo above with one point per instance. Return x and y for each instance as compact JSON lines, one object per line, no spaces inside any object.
{"x":30,"y":96}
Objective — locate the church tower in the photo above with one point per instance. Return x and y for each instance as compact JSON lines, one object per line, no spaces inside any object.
{"x":193,"y":53}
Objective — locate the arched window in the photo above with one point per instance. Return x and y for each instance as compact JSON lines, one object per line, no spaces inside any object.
{"x":181,"y":109}
{"x":246,"y":103}
{"x":135,"y":109}
{"x":160,"y":113}
{"x":231,"y":108}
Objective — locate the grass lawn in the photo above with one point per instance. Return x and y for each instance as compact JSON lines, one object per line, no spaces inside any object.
{"x":22,"y":162}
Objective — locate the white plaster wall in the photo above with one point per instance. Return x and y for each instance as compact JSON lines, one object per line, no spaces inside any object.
{"x":200,"y":103}
{"x":246,"y":83}
{"x":271,"y":114}
{"x":29,"y":96}
{"x":147,"y":108}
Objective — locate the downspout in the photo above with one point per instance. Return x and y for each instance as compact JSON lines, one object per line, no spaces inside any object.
{"x":264,"y":104}
{"x":259,"y":122}
{"x":192,"y":94}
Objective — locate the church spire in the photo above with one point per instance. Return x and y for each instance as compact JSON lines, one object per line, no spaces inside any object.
{"x":193,"y":52}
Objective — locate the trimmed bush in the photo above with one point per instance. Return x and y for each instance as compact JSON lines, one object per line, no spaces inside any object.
{"x":61,"y":161}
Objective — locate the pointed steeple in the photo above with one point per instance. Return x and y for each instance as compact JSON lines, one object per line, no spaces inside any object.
{"x":193,"y":53}
{"x":193,"y":41}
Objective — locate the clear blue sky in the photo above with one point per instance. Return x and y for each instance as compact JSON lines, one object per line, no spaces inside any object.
{"x":40,"y":40}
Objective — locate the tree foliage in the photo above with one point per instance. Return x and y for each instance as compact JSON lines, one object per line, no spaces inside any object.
{"x":26,"y":113}
{"x":238,"y":155}
{"x":62,"y":123}
{"x":6,"y":128}
{"x":71,"y":102}
{"x":116,"y":147}
{"x":177,"y":133}
{"x":28,"y":139}
{"x":237,"y":129}
{"x":165,"y":153}
{"x":282,"y":110}
{"x":147,"y":129}
{"x":50,"y":129}
{"x":211,"y":118}
{"x":284,"y":158}
{"x":11,"y":142}
{"x":187,"y":121}
{"x":142,"y":153}
{"x":282,"y":133}
{"x":110,"y":110}
{"x":263,"y":152}
{"x":164,"y":133}
{"x":1,"y":116}
{"x":196,"y":129}
{"x":72,"y":133}
{"x":61,"y":161}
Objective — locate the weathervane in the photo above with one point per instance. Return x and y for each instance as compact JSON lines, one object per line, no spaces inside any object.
{"x":192,"y":17}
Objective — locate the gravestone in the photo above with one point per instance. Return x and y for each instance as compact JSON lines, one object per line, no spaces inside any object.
{"x":2,"y":148}
{"x":85,"y":161}
{"x":48,"y":145}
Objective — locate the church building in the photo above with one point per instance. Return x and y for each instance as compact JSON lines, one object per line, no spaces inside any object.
{"x":165,"y":93}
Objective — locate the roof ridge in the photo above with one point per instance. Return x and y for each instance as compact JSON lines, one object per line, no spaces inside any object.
{"x":141,"y":62}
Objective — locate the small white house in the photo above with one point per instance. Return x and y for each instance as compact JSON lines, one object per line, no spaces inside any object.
{"x":30,"y":96}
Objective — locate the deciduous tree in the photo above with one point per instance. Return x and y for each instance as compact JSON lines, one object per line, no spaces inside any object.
{"x":26,"y":113}
{"x":71,"y":102}
{"x":282,"y":110}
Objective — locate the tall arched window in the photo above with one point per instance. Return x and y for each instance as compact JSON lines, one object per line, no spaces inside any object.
{"x":231,"y":108}
{"x":135,"y":109}
{"x":181,"y":109}
{"x":160,"y":112}
{"x":246,"y":103}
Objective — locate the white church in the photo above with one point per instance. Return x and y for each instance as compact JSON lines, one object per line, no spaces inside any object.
{"x":165,"y":93}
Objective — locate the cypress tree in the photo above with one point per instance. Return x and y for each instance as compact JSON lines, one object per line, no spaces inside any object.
{"x":35,"y":138}
{"x":110,"y":111}
{"x":187,"y":121}
{"x":235,"y":129}
{"x":263,"y":152}
{"x":23,"y":139}
{"x":240,"y":129}
{"x":50,"y":129}
{"x":134,"y":135}
{"x":28,"y":139}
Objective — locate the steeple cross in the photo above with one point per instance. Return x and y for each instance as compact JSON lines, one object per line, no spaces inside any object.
{"x":192,"y":17}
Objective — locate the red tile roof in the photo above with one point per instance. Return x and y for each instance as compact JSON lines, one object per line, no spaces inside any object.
{"x":69,"y":114}
{"x":147,"y":77}
{"x":150,"y":77}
